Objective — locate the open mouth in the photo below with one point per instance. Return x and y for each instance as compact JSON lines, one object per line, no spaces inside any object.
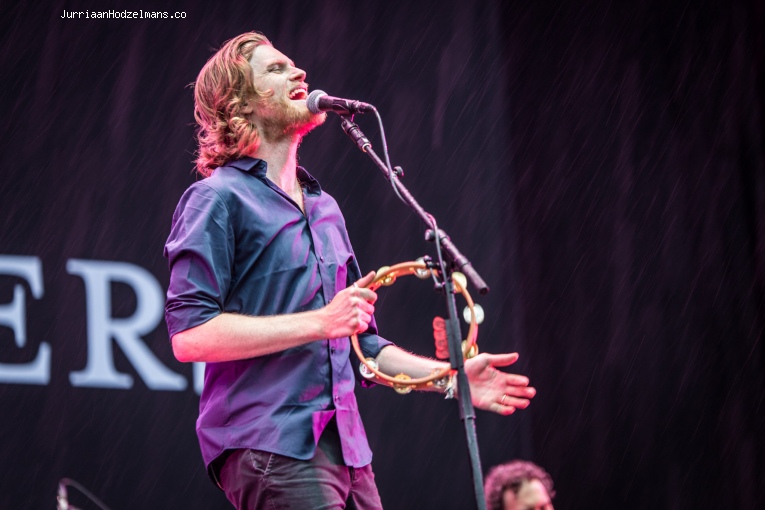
{"x":298,"y":94}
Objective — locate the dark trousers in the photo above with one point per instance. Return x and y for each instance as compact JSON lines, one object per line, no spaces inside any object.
{"x":254,"y":480}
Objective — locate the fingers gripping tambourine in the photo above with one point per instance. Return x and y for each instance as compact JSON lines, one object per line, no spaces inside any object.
{"x":403,"y":383}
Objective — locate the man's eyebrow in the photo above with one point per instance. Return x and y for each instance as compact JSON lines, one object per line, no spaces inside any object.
{"x":280,"y":62}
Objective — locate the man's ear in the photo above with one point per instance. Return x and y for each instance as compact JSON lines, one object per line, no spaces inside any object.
{"x":247,"y":107}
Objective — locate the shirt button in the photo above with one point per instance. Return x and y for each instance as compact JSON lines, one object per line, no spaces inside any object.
{"x":332,"y":350}
{"x":337,"y":398}
{"x":321,"y":258}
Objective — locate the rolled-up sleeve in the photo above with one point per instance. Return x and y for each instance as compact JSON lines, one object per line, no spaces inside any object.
{"x":200,"y":254}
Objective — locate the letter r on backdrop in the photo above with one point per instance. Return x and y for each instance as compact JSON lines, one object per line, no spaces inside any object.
{"x":100,"y":371}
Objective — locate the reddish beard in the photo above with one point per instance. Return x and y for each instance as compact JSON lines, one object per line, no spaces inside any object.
{"x":285,"y":118}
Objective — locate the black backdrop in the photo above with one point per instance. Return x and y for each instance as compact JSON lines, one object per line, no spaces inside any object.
{"x":601,"y":164}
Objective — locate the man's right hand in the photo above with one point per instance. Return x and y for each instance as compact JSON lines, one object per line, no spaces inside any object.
{"x":350,"y":311}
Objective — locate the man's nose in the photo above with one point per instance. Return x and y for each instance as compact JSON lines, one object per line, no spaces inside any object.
{"x":298,"y":74}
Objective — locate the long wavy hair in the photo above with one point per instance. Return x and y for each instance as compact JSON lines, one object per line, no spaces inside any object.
{"x":223,"y":87}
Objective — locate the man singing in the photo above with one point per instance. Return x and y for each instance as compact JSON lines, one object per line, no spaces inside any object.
{"x":266,"y":290}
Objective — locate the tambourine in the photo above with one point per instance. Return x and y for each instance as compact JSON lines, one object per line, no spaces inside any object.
{"x":404,"y":383}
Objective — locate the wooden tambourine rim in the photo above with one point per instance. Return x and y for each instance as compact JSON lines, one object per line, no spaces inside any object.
{"x":386,"y":277}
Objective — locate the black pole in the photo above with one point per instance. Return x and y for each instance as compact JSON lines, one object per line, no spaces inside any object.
{"x":454,"y":335}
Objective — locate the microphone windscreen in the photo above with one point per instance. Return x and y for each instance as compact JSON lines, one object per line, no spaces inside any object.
{"x":312,"y":101}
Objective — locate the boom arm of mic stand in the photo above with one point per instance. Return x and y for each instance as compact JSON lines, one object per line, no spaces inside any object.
{"x":460,"y":261}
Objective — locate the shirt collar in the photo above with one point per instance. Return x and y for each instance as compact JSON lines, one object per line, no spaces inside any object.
{"x":311,"y":184}
{"x":250,"y":165}
{"x":257,"y":167}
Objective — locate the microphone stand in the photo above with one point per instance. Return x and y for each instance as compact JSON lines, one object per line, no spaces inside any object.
{"x":454,"y":335}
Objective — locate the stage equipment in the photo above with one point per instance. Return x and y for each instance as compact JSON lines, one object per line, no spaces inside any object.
{"x":318,"y":101}
{"x":62,"y":497}
{"x":446,"y":283}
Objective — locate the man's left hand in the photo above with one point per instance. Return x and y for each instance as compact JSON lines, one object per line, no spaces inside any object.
{"x":494,"y":390}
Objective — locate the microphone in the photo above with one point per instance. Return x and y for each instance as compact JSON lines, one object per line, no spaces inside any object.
{"x":318,"y":101}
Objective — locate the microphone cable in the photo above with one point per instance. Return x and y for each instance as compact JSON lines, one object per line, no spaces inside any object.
{"x":392,"y":176}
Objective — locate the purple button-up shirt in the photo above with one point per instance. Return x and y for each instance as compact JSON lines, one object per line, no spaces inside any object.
{"x":239,"y":244}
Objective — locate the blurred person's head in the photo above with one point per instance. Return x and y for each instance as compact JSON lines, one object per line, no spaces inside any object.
{"x":519,"y":485}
